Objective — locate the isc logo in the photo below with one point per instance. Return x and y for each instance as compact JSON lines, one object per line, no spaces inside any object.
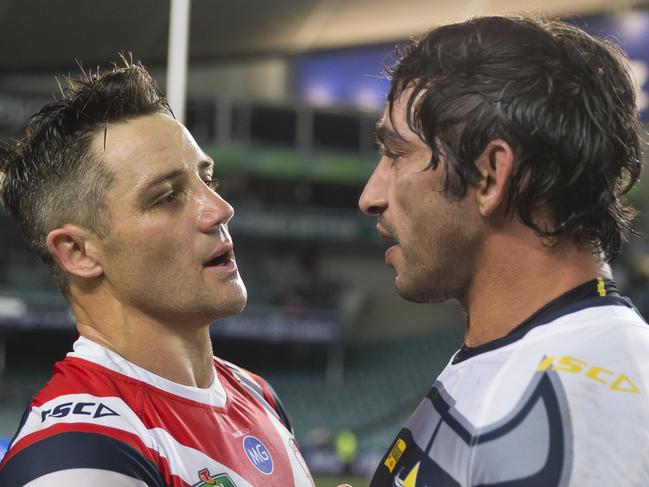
{"x":614,"y":381}
{"x":258,"y":454}
{"x":94,"y":409}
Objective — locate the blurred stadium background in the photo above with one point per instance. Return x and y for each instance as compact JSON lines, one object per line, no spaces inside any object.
{"x":284,"y":94}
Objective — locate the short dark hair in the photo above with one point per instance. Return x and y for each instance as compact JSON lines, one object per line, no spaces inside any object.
{"x":563,"y":100}
{"x":51,"y":177}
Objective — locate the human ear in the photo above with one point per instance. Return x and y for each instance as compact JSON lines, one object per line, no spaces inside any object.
{"x":73,"y":250}
{"x":495,"y":164}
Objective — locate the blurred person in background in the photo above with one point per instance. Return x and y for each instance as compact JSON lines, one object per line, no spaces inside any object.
{"x":120,"y":202}
{"x":507,"y":146}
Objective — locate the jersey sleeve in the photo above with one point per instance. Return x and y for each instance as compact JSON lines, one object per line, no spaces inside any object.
{"x":79,"y":458}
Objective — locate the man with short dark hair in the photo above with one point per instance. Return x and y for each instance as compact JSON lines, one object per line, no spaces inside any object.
{"x":121,"y":203}
{"x":507,"y":146}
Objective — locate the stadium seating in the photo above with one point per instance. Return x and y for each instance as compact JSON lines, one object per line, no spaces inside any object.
{"x":383,"y":382}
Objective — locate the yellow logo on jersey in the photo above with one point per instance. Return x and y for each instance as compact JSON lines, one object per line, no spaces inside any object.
{"x":601,"y":287}
{"x":395,"y":454}
{"x":411,"y":478}
{"x":616,"y":382}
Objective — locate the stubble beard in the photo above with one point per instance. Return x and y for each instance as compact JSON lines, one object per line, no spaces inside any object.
{"x":442,"y":277}
{"x":426,"y":285}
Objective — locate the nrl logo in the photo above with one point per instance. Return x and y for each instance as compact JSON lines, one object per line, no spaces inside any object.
{"x":208,"y":480}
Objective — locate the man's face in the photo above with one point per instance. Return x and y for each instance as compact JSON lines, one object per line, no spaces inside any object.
{"x":436,"y":239}
{"x":168,"y":253}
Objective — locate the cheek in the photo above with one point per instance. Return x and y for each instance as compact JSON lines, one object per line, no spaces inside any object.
{"x":145,"y":249}
{"x":414,"y":206}
{"x":403,"y":201}
{"x":431,"y":226}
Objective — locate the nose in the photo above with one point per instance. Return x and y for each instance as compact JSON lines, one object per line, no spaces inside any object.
{"x":213,"y":210}
{"x":374,"y":200}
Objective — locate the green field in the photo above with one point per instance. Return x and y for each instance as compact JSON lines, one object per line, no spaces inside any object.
{"x":334,"y":481}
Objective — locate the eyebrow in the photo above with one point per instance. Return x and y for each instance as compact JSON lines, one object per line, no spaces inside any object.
{"x":157,"y":180}
{"x":206,"y":163}
{"x":389,"y":136}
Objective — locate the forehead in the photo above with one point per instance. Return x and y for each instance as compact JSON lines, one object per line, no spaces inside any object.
{"x":136,"y":148}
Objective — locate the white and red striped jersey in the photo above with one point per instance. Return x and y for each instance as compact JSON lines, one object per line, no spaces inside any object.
{"x":102,"y":420}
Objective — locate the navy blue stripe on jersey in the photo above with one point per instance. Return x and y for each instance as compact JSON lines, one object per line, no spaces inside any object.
{"x":478,"y":449}
{"x":23,"y":419}
{"x":581,"y":297}
{"x":542,"y":392}
{"x":281,"y":410}
{"x":428,"y":470}
{"x":78,"y":450}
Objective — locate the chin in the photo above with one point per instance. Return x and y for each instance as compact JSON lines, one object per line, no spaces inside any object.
{"x":418,"y":296}
{"x":421,"y":292}
{"x":232,"y":304}
{"x":242,"y":298}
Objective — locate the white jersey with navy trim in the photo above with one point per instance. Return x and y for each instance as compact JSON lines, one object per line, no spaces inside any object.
{"x":561,"y":401}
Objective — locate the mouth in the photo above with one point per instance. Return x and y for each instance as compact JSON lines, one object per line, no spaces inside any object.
{"x":223,"y":257}
{"x":387,"y":235}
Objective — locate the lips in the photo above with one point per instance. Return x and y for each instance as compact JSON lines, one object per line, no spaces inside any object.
{"x":385,"y":232}
{"x":220,"y":257}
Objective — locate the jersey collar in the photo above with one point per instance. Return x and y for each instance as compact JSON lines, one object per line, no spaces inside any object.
{"x":596,"y":292}
{"x":86,"y":349}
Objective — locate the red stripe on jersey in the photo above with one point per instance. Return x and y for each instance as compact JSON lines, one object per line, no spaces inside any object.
{"x":175,"y":481}
{"x":79,"y":376}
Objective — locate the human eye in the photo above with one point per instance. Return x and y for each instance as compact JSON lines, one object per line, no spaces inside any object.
{"x":392,"y":156}
{"x":168,"y":198}
{"x":385,"y":151}
{"x":171,"y":197}
{"x":212,"y":183}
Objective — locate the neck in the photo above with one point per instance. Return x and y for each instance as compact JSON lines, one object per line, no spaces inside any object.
{"x":182,"y":354}
{"x":516,"y":276}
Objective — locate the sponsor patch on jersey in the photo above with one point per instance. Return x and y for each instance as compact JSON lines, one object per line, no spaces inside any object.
{"x":258,"y":454}
{"x":395,"y":454}
{"x":572,"y":365}
{"x":209,"y":480}
{"x":409,"y":478}
{"x":88,"y":408}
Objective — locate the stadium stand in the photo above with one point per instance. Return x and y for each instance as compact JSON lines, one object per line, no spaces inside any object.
{"x":383,"y":381}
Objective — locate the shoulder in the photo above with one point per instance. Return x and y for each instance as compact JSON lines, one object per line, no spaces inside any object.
{"x":259,"y":388}
{"x":81,"y":415}
{"x":81,"y":396}
{"x":79,"y":375}
{"x":613,"y":335}
{"x":603,"y":370}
